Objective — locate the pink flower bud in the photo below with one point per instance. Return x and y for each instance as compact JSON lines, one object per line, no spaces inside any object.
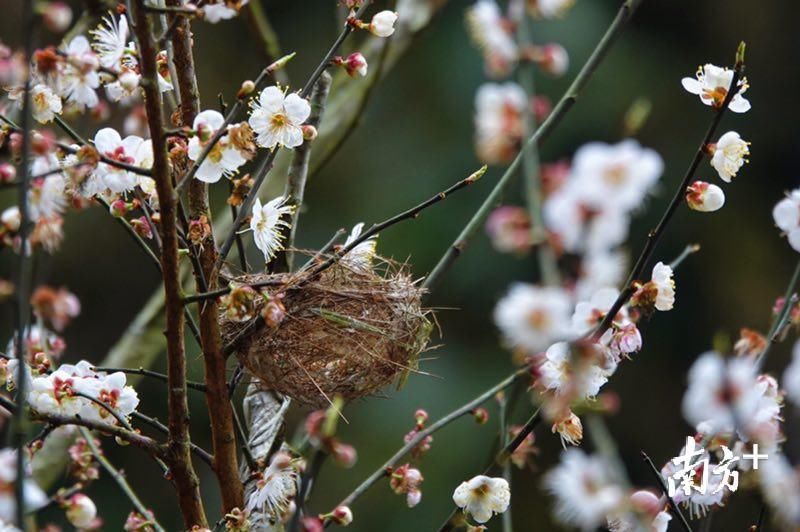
{"x":421,"y":416}
{"x":481,"y":415}
{"x":81,"y":511}
{"x":344,"y":455}
{"x":646,"y":502}
{"x":142,"y":227}
{"x":312,"y":524}
{"x":355,"y":65}
{"x":554,"y":59}
{"x":704,"y":197}
{"x":118,"y":208}
{"x":7,"y":173}
{"x":57,"y":16}
{"x":309,"y":132}
{"x":43,"y":143}
{"x":342,"y":515}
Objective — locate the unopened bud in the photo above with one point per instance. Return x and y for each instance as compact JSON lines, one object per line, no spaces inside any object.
{"x":118,"y":208}
{"x":129,"y":80}
{"x":355,"y":65}
{"x":43,"y":143}
{"x":553,"y":59}
{"x":421,"y":416}
{"x":247,"y":88}
{"x":704,"y":197}
{"x":280,"y":63}
{"x":344,"y":455}
{"x":56,"y":16}
{"x":342,"y":515}
{"x":7,"y":173}
{"x":477,"y":174}
{"x":481,"y":415}
{"x":309,"y":132}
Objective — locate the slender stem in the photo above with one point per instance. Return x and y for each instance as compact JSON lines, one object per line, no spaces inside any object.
{"x":119,"y":478}
{"x":548,"y":267}
{"x":783,"y":315}
{"x":434,"y":427}
{"x":179,"y":455}
{"x":305,"y":488}
{"x":199,"y":386}
{"x":23,"y":273}
{"x":240,"y":249}
{"x":561,"y":109}
{"x":198,"y":451}
{"x":134,"y":438}
{"x":409,"y":214}
{"x":298,"y":171}
{"x":687,"y":251}
{"x":675,"y":509}
{"x":677,"y":199}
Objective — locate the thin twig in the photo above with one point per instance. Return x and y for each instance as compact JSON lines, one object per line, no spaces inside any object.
{"x":434,"y":427}
{"x":783,"y":315}
{"x":22,"y":271}
{"x":119,"y":478}
{"x":675,"y":509}
{"x":554,"y":118}
{"x":149,"y":373}
{"x":655,"y":235}
{"x":198,"y":451}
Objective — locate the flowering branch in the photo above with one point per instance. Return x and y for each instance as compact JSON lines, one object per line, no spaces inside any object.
{"x":119,"y":478}
{"x":179,"y":456}
{"x":655,"y":235}
{"x":657,"y":474}
{"x":71,"y":149}
{"x":266,"y":165}
{"x":561,"y":109}
{"x":465,"y":409}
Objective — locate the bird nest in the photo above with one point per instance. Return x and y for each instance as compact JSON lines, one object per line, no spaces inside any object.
{"x":347,"y":332}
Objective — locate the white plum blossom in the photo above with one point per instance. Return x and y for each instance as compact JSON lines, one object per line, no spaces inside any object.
{"x":111,"y":390}
{"x":665,"y":286}
{"x":616,"y":176}
{"x":530,"y":317}
{"x":276,"y":118}
{"x":45,"y":104}
{"x":46,"y":196}
{"x":499,"y":125}
{"x":698,"y":503}
{"x":489,"y":29}
{"x":35,"y":498}
{"x":729,"y":155}
{"x":267,"y":222}
{"x":726,"y":396}
{"x":704,"y":197}
{"x":110,"y":41}
{"x":360,"y":257}
{"x":482,"y":497}
{"x":224,"y":159}
{"x":81,"y":511}
{"x":131,"y":150}
{"x":576,"y":374}
{"x":585,"y":490}
{"x":276,"y":487}
{"x":80,"y":78}
{"x":711,"y":83}
{"x":214,"y":12}
{"x":780,"y":484}
{"x":786,"y":214}
{"x":791,"y":376}
{"x":382,"y":23}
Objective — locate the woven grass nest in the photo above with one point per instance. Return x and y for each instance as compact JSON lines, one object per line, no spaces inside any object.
{"x":347,"y":332}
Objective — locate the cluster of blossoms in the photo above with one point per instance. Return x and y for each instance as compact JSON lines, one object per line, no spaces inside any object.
{"x":501,"y":108}
{"x":588,"y":495}
{"x":77,"y":390}
{"x":729,"y":153}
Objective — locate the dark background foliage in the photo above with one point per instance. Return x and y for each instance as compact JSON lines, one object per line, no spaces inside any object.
{"x":414,"y":140}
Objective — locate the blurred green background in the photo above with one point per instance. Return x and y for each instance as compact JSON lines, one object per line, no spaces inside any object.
{"x":415,"y":138}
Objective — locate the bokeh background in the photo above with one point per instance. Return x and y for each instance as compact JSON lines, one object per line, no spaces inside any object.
{"x":414,"y":139}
